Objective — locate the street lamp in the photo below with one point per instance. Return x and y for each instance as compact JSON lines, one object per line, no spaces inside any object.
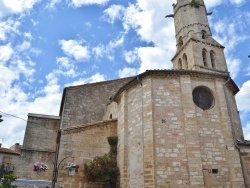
{"x":1,"y":118}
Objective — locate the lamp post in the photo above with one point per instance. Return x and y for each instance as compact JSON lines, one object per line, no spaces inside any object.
{"x":55,"y":162}
{"x":1,"y":118}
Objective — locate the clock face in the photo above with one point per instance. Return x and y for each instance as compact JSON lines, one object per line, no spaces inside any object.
{"x":203,"y":98}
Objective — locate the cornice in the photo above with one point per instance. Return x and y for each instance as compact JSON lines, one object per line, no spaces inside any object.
{"x":197,"y":41}
{"x":174,"y":73}
{"x":80,"y":128}
{"x":37,"y":150}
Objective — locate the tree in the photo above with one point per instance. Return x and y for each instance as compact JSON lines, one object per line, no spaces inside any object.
{"x":5,"y":182}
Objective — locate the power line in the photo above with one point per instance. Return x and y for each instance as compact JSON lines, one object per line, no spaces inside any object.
{"x":20,"y":118}
{"x":13,"y":115}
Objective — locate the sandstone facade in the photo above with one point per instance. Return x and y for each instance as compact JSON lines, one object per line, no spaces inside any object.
{"x":175,"y":128}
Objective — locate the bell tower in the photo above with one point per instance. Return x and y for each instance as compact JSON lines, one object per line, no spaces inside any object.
{"x":196,"y":48}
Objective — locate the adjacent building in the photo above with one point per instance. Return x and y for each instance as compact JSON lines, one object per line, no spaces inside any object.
{"x":8,"y":160}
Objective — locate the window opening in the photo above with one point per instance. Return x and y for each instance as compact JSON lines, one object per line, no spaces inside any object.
{"x":110,"y":116}
{"x":185,"y":63}
{"x":204,"y":57}
{"x":203,"y":34}
{"x":203,"y":97}
{"x":214,"y":171}
{"x":179,"y":64}
{"x":212,"y":59}
{"x":180,"y":41}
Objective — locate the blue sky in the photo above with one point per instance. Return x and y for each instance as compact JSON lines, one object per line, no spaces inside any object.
{"x":46,"y":45}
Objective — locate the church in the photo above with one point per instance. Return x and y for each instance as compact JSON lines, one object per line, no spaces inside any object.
{"x":176,"y":128}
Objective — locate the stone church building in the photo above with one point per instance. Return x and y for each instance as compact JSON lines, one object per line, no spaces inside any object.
{"x":176,"y":128}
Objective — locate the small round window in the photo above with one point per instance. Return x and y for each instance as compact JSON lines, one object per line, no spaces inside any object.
{"x":203,"y":97}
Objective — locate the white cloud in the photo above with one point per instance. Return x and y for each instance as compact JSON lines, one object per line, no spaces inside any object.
{"x":151,"y":26}
{"x":130,"y":56}
{"x":99,"y":51}
{"x":16,"y":6}
{"x":242,"y":97}
{"x":28,"y":35}
{"x":64,"y":62}
{"x":246,"y":131}
{"x":230,"y":33}
{"x":75,"y":49}
{"x":23,"y":67}
{"x":212,"y":3}
{"x":113,"y":13}
{"x":95,"y":78}
{"x":108,"y":50}
{"x":127,"y":72}
{"x":154,"y":58}
{"x":24,"y":46}
{"x":6,"y":79}
{"x":117,"y":42}
{"x":6,"y":53}
{"x":234,"y":66}
{"x":88,"y":25}
{"x":79,"y":3}
{"x":7,"y":27}
{"x":52,"y":3}
{"x":19,"y":103}
{"x":238,"y":2}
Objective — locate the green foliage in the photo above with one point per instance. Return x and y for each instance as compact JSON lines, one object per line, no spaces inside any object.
{"x":102,"y":168}
{"x":112,"y":140}
{"x":6,"y":181}
{"x":195,"y":3}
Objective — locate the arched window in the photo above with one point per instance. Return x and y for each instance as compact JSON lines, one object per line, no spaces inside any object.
{"x":212,"y":58}
{"x":180,"y":41}
{"x":185,"y":62}
{"x":203,"y":34}
{"x":204,"y":57}
{"x":179,"y":64}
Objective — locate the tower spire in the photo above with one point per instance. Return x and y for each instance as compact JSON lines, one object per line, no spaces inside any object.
{"x":196,"y":49}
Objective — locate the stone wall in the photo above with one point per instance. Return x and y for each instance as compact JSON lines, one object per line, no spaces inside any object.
{"x":170,"y":141}
{"x":80,"y":145}
{"x":245,"y":154}
{"x":41,"y":132}
{"x":39,"y":145}
{"x":87,"y":103}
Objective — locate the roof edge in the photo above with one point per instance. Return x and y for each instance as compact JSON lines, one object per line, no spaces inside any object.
{"x":136,"y":80}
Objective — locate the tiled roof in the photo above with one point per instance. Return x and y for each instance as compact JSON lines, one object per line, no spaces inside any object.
{"x":9,"y":151}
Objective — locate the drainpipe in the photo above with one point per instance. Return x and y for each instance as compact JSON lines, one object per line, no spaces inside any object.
{"x":232,"y":127}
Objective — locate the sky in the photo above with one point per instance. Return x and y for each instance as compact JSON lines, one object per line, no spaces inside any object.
{"x":47,"y":45}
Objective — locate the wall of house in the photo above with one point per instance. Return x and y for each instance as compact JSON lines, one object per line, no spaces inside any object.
{"x":39,"y":145}
{"x":111,"y":111}
{"x":187,"y":146}
{"x":245,"y":155}
{"x":14,"y":161}
{"x":80,"y":145}
{"x":87,"y":103}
